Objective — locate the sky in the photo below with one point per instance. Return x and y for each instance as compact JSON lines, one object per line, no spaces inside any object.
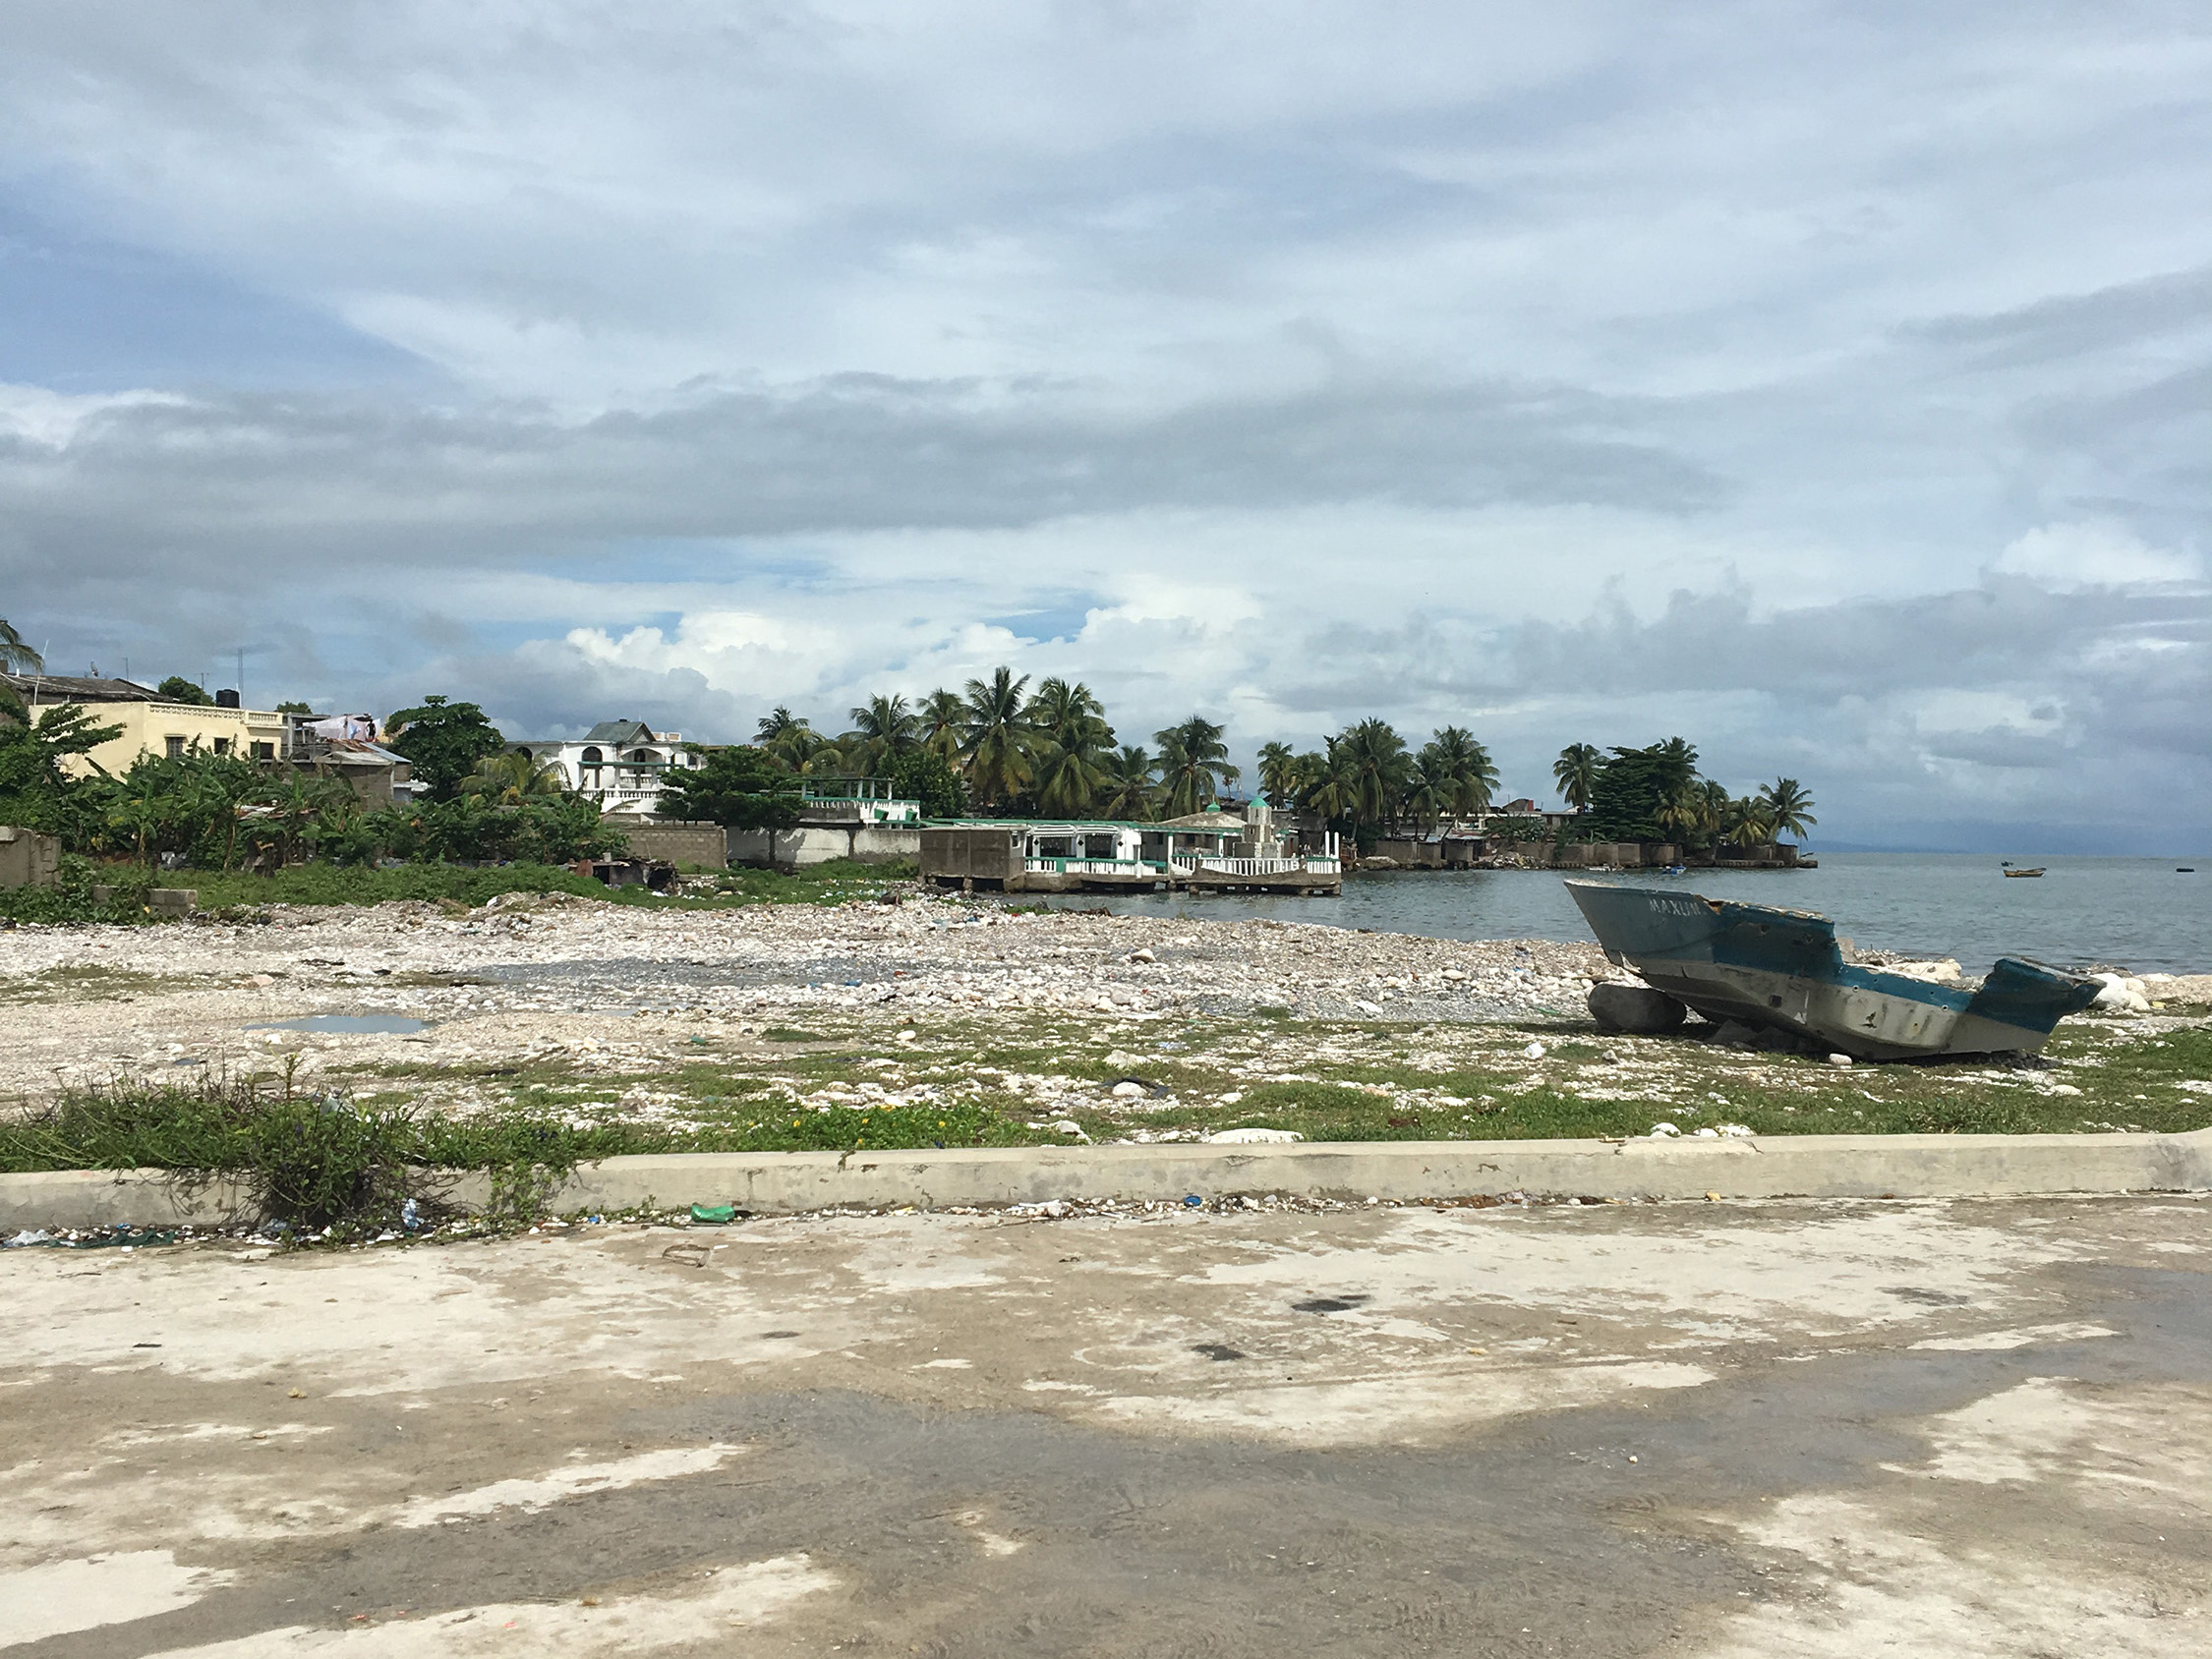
{"x":1828,"y":385}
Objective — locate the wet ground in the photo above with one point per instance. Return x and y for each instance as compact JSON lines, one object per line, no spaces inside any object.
{"x":1762,"y":1429}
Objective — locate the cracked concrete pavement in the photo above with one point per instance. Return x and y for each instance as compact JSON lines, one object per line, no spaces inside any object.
{"x":1781,"y":1428}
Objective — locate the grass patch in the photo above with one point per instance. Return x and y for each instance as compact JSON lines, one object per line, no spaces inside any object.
{"x":312,"y":1162}
{"x":838,"y":883}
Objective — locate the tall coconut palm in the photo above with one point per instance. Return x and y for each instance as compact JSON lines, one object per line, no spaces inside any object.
{"x":1746,"y":823}
{"x":883,"y":729}
{"x":16,"y":655}
{"x":1128,"y":791}
{"x":1380,"y":766}
{"x":1576,"y":770}
{"x":1788,"y":808}
{"x":1458,"y":772}
{"x":995,"y":738}
{"x":1066,"y":778}
{"x":1278,"y":772}
{"x":1060,"y":710}
{"x":938,"y":724}
{"x":1328,"y":781}
{"x":507,"y":781}
{"x":1194,"y":765}
{"x":786,"y":736}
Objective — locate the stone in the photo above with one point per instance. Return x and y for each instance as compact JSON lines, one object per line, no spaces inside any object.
{"x":1637,"y":1009}
{"x":1840,"y":1059}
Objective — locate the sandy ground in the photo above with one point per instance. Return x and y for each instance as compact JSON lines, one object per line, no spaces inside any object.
{"x":1819,"y":1429}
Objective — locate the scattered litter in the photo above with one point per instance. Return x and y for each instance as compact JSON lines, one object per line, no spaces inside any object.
{"x":1534,"y":1051}
{"x":1664,"y":1131}
{"x":1193,"y":1201}
{"x":1734,"y":1131}
{"x":714,"y":1215}
{"x":1253,"y":1137}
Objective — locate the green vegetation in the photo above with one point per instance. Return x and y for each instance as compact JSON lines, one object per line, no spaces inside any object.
{"x":312,"y":1161}
{"x":1654,"y":795}
{"x":445,"y":741}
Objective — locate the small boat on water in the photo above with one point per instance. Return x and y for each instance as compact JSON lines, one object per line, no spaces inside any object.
{"x":1784,"y":970}
{"x":2006,"y":867}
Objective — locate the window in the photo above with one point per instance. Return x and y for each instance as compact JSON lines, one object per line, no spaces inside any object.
{"x":223,"y":744}
{"x":175,"y":747}
{"x":592,"y":757}
{"x":265,"y":751}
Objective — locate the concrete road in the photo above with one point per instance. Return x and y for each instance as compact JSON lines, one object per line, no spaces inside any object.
{"x":1948,"y":1428}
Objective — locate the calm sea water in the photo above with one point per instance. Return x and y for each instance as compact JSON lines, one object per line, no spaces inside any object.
{"x":2123,"y":912}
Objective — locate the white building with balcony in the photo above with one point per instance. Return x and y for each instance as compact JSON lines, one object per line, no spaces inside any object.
{"x":621,"y":765}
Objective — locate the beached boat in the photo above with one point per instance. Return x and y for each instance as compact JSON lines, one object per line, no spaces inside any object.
{"x":1782,"y":969}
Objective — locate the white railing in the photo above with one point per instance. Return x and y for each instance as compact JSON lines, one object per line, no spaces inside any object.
{"x":1089,"y":867}
{"x":1212,"y":865}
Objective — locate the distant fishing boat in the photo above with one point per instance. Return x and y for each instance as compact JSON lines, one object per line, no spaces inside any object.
{"x":1783,"y":969}
{"x":2006,"y":867}
{"x":2184,"y":869}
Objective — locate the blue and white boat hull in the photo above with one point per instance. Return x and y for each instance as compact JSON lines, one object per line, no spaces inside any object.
{"x":1768,"y":966}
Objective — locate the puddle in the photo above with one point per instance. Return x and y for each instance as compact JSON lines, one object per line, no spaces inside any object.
{"x":358,"y":1025}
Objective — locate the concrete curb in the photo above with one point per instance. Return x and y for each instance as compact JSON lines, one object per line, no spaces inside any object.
{"x":1782,"y":1167}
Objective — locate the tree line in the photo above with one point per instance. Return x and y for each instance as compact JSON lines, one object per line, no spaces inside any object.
{"x":1656,"y":794}
{"x":994,"y":749}
{"x":222,"y":811}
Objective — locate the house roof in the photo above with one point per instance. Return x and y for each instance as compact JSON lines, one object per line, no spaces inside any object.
{"x":65,"y":688}
{"x":615,"y":732}
{"x":1220,"y":823}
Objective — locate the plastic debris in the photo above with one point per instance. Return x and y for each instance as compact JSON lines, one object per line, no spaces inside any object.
{"x":1192,"y":1200}
{"x":714,"y":1215}
{"x":1253,"y":1137}
{"x":1534,"y":1051}
{"x":1734,"y":1131}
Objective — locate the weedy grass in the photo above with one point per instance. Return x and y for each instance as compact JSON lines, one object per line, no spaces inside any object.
{"x":312,"y":1161}
{"x":230,"y":891}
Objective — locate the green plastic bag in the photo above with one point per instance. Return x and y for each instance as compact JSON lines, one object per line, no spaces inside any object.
{"x":716,"y":1213}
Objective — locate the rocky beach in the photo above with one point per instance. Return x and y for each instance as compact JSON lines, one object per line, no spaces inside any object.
{"x":1060,"y":1024}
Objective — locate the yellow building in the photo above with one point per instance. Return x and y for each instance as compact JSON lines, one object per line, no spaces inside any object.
{"x":152,"y":725}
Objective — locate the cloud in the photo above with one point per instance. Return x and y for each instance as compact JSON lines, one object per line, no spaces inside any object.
{"x":1833,"y":389}
{"x":2070,"y":556}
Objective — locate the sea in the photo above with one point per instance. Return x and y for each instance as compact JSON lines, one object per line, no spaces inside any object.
{"x":2140,"y":914}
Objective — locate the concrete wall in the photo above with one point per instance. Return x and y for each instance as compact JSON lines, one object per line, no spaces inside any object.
{"x":810,"y":845}
{"x":957,"y":853}
{"x":683,"y":844}
{"x":28,"y":859}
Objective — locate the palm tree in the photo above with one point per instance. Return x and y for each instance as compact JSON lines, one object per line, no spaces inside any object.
{"x":1576,"y":770}
{"x":1787,"y":807}
{"x":1194,"y":765}
{"x":1128,"y":791}
{"x":939,"y":722}
{"x":507,"y":781}
{"x":1278,"y":772}
{"x":788,"y":737}
{"x":1380,"y":766}
{"x":16,"y":656}
{"x":1060,"y":710}
{"x":995,"y":738}
{"x":883,"y":729}
{"x":1330,"y":782}
{"x":1746,"y":823}
{"x":1457,"y":773}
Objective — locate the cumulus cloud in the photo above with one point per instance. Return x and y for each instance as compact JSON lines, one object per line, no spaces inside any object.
{"x":1834,"y":389}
